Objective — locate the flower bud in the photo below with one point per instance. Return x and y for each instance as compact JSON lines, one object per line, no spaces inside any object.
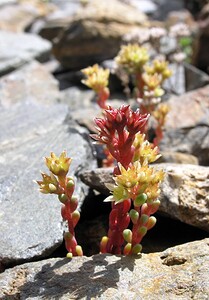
{"x":79,"y":250}
{"x":134,"y":215}
{"x":127,"y":235}
{"x":70,"y":183}
{"x":62,"y":198}
{"x":103,"y":244}
{"x":142,"y":231}
{"x":127,"y":249}
{"x":140,"y":199}
{"x":52,"y":188}
{"x":151,"y":222}
{"x":136,"y":249}
{"x":73,"y":203}
{"x":69,"y":255}
{"x":144,"y":219}
{"x":154,"y":206}
{"x":75,"y":217}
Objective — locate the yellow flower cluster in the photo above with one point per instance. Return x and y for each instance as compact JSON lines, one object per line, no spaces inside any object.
{"x":58,"y":165}
{"x":152,"y":85}
{"x":144,"y":151}
{"x":159,"y":66}
{"x":132,"y":57}
{"x":160,"y":113}
{"x":134,"y":182}
{"x":49,"y":184}
{"x":96,"y":78}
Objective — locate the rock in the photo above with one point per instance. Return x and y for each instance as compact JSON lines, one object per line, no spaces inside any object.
{"x":17,"y":18}
{"x":178,"y":273}
{"x":26,"y":85}
{"x":44,"y":8}
{"x":99,"y":28}
{"x":176,"y":83}
{"x":185,"y":78}
{"x":187,"y":125}
{"x":178,"y":158}
{"x":165,"y":7}
{"x":6,"y":2}
{"x":182,"y":16}
{"x":19,"y":48}
{"x":184,"y":192}
{"x":200,"y":57}
{"x":146,"y":6}
{"x":194,"y":78}
{"x":76,"y":97}
{"x":31,"y":224}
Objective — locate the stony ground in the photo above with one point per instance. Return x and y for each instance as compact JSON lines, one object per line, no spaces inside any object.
{"x":43,"y":108}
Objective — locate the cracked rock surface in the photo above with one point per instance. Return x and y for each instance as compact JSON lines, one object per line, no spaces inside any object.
{"x":30,"y":222}
{"x":184,"y":191}
{"x":178,"y":273}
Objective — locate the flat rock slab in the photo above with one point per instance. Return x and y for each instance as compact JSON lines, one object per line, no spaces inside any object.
{"x":184,"y":192}
{"x":30,"y":222}
{"x":178,"y":273}
{"x":18,"y":48}
{"x":187,"y":125}
{"x":26,"y":85}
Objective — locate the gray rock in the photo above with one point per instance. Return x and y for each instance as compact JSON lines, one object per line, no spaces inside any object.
{"x":98,"y":27}
{"x":177,"y":157}
{"x":184,"y":191}
{"x":184,"y":194}
{"x":187,"y":125}
{"x":178,"y":273}
{"x":165,"y":7}
{"x":194,"y":78}
{"x":176,"y":83}
{"x":146,"y":6}
{"x":17,"y":18}
{"x":19,"y":48}
{"x":31,"y":224}
{"x":76,"y":98}
{"x":3,"y":2}
{"x":26,"y":85}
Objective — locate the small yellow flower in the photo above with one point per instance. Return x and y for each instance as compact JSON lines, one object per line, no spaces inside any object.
{"x":144,"y":151}
{"x":58,"y":165}
{"x":152,"y":81}
{"x":49,"y":184}
{"x":96,"y":78}
{"x":159,"y":66}
{"x":132,"y":57}
{"x":160,"y":113}
{"x":134,"y":181}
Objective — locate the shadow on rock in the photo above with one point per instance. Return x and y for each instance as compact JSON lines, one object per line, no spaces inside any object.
{"x":76,"y":279}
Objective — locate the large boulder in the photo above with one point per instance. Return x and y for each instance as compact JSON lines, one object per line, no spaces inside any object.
{"x":178,"y":273}
{"x":184,"y":191}
{"x":94,"y":33}
{"x":30,"y":222}
{"x":187,"y":124}
{"x":201,"y":59}
{"x":19,"y":48}
{"x":30,"y":83}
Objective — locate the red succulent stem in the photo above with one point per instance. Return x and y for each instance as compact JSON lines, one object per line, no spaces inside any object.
{"x":136,"y":236}
{"x":159,"y":136}
{"x":103,"y":95}
{"x":66,"y":211}
{"x":140,"y":85}
{"x":118,"y":221}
